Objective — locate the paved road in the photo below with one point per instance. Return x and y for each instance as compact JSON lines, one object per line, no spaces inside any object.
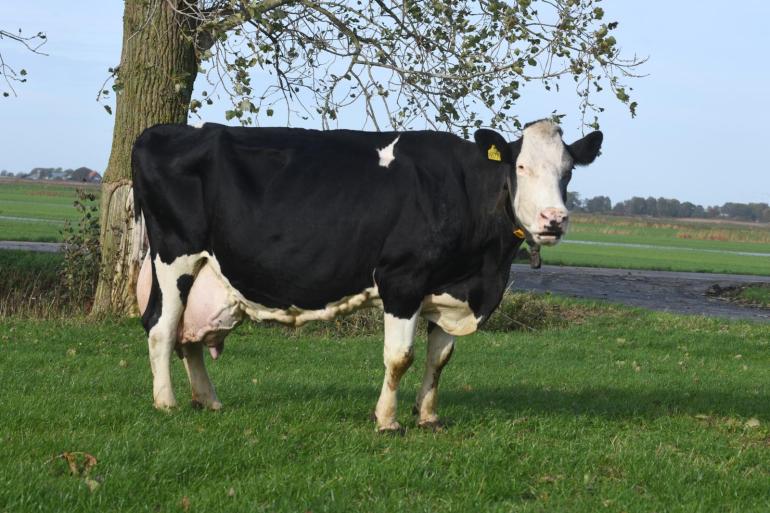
{"x":43,"y":247}
{"x":675,"y":292}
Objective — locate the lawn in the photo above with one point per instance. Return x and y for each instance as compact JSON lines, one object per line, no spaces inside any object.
{"x":36,"y":211}
{"x":756,"y":295}
{"x":655,"y":258}
{"x":671,"y":245}
{"x":616,"y":410}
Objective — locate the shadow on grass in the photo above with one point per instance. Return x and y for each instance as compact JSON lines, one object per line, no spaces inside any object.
{"x":611,"y":402}
{"x":519,"y":400}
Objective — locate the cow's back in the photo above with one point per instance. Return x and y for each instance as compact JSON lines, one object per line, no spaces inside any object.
{"x":300,"y":217}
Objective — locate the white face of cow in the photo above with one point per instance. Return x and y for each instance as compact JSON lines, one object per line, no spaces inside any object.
{"x":543,"y":168}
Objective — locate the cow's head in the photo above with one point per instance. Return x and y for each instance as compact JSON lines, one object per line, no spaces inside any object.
{"x":541,"y":169}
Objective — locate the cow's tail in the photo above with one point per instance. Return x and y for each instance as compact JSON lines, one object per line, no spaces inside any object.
{"x":140,"y":244}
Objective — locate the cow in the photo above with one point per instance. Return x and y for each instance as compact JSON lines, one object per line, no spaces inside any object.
{"x":293,"y":225}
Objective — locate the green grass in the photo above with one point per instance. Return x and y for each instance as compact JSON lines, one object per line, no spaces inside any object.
{"x":37,"y":209}
{"x":655,"y":259}
{"x":623,"y":411}
{"x":696,"y":234}
{"x":30,"y":285}
{"x":757,"y":295}
{"x":676,"y":245}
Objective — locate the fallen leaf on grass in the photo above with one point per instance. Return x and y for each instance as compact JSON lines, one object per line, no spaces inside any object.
{"x":231,"y":492}
{"x":80,"y":464}
{"x":185,"y":503}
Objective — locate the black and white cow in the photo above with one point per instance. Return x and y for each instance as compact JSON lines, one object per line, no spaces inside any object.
{"x":296,"y":225}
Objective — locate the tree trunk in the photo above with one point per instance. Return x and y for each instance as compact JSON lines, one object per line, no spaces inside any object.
{"x":157,"y":70}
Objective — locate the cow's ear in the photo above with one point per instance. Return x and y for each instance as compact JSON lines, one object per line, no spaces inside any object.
{"x":585,"y":150}
{"x":493,"y":146}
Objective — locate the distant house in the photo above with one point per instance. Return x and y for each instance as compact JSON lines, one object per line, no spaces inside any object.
{"x":81,"y":174}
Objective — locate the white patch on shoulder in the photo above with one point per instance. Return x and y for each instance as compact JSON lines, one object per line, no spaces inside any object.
{"x":386,"y":154}
{"x":296,"y":316}
{"x":452,"y":315}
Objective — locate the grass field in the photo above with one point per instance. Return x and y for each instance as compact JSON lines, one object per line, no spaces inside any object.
{"x":620,"y":411}
{"x":36,"y":211}
{"x":672,"y":245}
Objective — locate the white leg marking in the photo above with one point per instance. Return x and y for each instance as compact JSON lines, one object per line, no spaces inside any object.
{"x":440,"y":347}
{"x":163,"y":335}
{"x":398,"y":355}
{"x":203,"y":392}
{"x":386,"y":154}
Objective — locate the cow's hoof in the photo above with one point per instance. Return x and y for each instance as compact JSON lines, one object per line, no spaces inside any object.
{"x":393,"y":428}
{"x":208,"y":405}
{"x":432,"y":425}
{"x":165,"y":405}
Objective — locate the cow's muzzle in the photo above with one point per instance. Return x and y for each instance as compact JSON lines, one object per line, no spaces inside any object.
{"x":552,"y":224}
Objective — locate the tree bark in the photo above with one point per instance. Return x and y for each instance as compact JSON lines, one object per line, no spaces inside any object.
{"x":155,"y":78}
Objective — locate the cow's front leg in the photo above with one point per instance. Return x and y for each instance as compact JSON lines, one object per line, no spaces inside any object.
{"x":203,"y":393}
{"x":398,"y":356}
{"x":440,"y":347}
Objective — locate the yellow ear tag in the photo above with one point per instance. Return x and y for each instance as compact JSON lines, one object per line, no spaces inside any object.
{"x":494,"y":154}
{"x":518,"y":232}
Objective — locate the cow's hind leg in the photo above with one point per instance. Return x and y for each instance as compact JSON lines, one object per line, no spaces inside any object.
{"x":171,"y":282}
{"x":398,"y":356}
{"x":203,"y":393}
{"x":440,"y":347}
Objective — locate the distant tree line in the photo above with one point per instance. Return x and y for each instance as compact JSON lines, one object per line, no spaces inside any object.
{"x":81,"y":174}
{"x":667,"y":207}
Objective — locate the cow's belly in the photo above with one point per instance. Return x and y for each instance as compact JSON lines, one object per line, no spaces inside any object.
{"x":293,"y":315}
{"x":214,"y":307}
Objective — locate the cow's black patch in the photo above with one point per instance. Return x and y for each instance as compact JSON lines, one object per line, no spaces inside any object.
{"x":304,"y":217}
{"x":184,"y":284}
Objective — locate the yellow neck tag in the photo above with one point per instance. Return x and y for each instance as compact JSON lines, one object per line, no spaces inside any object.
{"x":494,"y":154}
{"x":518,"y":232}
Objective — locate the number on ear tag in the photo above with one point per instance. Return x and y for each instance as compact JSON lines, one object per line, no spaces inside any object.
{"x":494,"y":154}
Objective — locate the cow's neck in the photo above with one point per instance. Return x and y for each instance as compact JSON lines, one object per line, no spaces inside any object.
{"x":493,"y":213}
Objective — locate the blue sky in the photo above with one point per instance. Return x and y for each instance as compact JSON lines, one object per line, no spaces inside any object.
{"x":699,"y":134}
